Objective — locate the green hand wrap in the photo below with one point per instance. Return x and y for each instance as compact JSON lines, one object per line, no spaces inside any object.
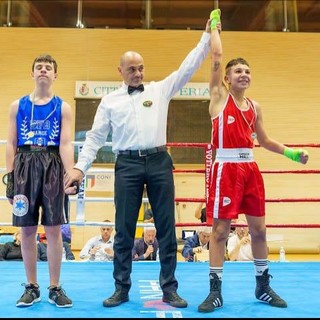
{"x":293,"y":154}
{"x":215,"y":18}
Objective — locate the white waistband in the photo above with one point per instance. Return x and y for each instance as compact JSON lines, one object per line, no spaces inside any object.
{"x":234,"y":155}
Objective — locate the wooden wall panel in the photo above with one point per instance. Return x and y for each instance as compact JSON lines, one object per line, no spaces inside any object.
{"x":285,"y":68}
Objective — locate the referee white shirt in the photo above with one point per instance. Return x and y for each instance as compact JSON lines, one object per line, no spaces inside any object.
{"x":139,"y":121}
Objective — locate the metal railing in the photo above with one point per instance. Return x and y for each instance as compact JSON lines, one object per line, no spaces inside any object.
{"x":260,"y":15}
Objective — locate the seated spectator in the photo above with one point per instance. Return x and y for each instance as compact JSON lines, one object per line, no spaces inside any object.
{"x":66,"y":233}
{"x":100,"y":247}
{"x":11,"y":251}
{"x":147,"y":247}
{"x":42,"y":249}
{"x":196,"y":243}
{"x":231,"y":233}
{"x":148,"y":216}
{"x":201,"y":213}
{"x":239,"y":243}
{"x":232,"y":228}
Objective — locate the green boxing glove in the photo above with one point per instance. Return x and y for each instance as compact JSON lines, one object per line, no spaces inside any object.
{"x":294,"y":154}
{"x":215,"y":18}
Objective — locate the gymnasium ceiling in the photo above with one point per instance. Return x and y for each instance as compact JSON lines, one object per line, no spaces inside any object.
{"x":237,"y":15}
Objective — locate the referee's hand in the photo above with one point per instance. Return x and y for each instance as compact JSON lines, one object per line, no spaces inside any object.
{"x":73,"y":189}
{"x":72,"y":181}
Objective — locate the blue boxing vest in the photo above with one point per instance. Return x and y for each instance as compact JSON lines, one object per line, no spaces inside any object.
{"x":39,"y":125}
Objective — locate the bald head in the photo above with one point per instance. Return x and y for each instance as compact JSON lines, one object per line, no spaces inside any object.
{"x":131,"y":68}
{"x":130,"y":57}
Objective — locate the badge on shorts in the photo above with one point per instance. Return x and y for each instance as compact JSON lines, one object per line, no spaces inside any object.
{"x":147,"y":103}
{"x":20,"y":205}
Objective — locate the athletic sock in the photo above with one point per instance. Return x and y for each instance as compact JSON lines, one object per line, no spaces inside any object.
{"x":260,"y":266}
{"x":217,"y":271}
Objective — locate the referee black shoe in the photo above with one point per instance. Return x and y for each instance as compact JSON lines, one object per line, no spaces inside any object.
{"x":118,"y":297}
{"x":174,"y":300}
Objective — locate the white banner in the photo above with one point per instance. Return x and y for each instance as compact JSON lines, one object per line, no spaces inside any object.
{"x":97,"y":89}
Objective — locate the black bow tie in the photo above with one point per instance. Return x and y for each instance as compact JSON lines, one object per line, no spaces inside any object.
{"x":132,"y":89}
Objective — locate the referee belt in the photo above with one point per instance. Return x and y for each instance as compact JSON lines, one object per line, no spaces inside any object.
{"x":34,"y":148}
{"x":142,"y":153}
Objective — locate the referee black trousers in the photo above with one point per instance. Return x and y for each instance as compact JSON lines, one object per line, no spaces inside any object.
{"x":131,"y":173}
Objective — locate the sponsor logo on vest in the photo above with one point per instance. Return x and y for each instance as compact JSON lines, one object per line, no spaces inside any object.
{"x":230,"y":119}
{"x":244,"y":155}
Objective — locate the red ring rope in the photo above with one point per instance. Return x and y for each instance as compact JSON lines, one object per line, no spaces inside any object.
{"x":195,"y":224}
{"x":203,"y":171}
{"x":265,"y":171}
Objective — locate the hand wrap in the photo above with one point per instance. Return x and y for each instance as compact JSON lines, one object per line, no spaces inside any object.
{"x":294,"y":154}
{"x":215,"y":18}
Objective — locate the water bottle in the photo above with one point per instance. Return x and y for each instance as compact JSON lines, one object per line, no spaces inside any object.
{"x":157,"y":256}
{"x":282,"y":257}
{"x":64,"y":255}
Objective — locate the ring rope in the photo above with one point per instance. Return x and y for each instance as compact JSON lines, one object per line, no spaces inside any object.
{"x":199,"y":145}
{"x":202,"y":145}
{"x":262,"y":171}
{"x":80,"y":221}
{"x":309,"y":225}
{"x":106,"y":199}
{"x":267,"y":200}
{"x":106,"y":170}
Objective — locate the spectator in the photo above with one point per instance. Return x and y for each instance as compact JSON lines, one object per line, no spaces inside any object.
{"x":148,"y":216}
{"x":11,"y":251}
{"x":146,"y":248}
{"x":99,"y":248}
{"x":200,"y":212}
{"x":66,"y":233}
{"x":196,"y":243}
{"x":231,"y":233}
{"x":239,"y":243}
{"x":42,"y":249}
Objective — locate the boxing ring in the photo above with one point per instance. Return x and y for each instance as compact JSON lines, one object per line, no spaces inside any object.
{"x":89,"y":283}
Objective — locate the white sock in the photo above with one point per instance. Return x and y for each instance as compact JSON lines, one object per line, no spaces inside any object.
{"x":217,"y":271}
{"x":260,"y":266}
